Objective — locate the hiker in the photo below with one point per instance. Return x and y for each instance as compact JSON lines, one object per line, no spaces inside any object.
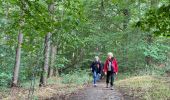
{"x":102,"y":72}
{"x":96,"y":69}
{"x":110,"y":69}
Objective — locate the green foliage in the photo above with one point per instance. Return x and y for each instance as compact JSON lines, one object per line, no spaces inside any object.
{"x":157,"y":21}
{"x":76,"y":77}
{"x":156,"y":51}
{"x":5,"y":79}
{"x":61,"y":62}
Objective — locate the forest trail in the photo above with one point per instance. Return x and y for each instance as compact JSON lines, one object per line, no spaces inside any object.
{"x":97,"y":93}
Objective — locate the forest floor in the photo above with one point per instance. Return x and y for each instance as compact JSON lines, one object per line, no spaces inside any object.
{"x":67,"y":92}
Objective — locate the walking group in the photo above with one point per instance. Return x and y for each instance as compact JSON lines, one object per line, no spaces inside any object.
{"x":110,"y":69}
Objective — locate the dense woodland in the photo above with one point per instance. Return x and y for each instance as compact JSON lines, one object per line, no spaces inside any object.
{"x":40,"y":39}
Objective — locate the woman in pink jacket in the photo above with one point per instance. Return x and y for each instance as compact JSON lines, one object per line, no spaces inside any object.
{"x":110,"y":69}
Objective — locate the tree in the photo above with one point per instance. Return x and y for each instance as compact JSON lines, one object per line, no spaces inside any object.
{"x":52,"y":68}
{"x":156,"y":21}
{"x":18,"y":51}
{"x":44,"y":73}
{"x":17,"y":60}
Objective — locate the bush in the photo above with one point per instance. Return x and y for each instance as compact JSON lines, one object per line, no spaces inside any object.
{"x":5,"y":79}
{"x":76,"y":77}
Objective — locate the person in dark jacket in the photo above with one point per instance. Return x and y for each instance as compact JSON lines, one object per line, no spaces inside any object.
{"x":110,"y":69}
{"x":96,"y":69}
{"x":102,"y":72}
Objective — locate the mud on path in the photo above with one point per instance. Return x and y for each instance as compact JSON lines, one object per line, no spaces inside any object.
{"x":96,"y":93}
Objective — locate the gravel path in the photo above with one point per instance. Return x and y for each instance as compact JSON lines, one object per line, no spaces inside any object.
{"x":97,"y":93}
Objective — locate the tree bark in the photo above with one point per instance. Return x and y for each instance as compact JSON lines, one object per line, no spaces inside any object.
{"x":53,"y":58}
{"x":55,"y":69}
{"x":43,"y":79}
{"x":17,"y":61}
{"x":56,"y":72}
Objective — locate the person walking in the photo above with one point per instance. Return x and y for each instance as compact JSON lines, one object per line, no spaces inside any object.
{"x":110,"y":69}
{"x":96,"y":69}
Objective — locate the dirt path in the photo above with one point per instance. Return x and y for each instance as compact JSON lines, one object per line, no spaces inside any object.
{"x":97,"y":93}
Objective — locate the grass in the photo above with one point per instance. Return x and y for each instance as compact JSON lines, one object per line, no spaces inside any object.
{"x":57,"y":86}
{"x":4,"y":92}
{"x":78,"y":77}
{"x":145,"y":87}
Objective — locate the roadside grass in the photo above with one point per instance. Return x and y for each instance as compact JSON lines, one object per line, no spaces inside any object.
{"x":145,"y":87}
{"x":56,"y":87}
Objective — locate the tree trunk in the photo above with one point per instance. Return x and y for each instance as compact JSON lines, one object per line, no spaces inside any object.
{"x":43,"y":79}
{"x":102,"y":4}
{"x":126,"y":18}
{"x":148,"y":58}
{"x":126,"y":14}
{"x":51,"y":67}
{"x":17,"y":61}
{"x":149,"y":38}
{"x":56,"y":72}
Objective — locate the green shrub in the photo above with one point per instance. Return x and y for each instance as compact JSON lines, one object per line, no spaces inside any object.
{"x":5,"y":79}
{"x":76,"y":77}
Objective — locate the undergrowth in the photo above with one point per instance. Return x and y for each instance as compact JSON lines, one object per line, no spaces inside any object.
{"x":145,"y":87}
{"x":76,"y":77}
{"x":64,"y":84}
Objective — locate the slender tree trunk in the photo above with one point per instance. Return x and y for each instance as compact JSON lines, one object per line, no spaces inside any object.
{"x":126,"y":18}
{"x":51,"y":67}
{"x":148,"y":58}
{"x":102,"y":4}
{"x":149,"y":38}
{"x":51,"y":10}
{"x":126,"y":14}
{"x":56,"y":72}
{"x":17,"y":61}
{"x":43,"y":79}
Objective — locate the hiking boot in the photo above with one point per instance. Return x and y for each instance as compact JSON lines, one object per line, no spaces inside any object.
{"x":111,"y":88}
{"x":107,"y":85}
{"x":95,"y":85}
